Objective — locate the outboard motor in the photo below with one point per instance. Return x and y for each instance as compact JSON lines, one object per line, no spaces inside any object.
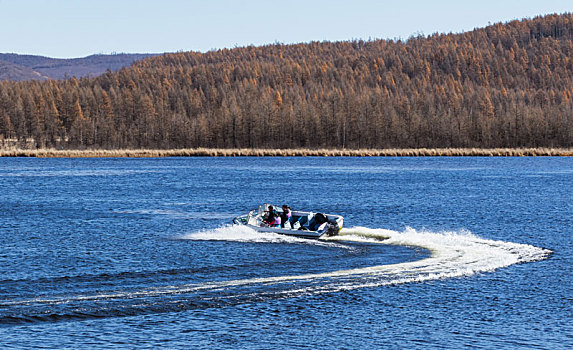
{"x":332,"y":228}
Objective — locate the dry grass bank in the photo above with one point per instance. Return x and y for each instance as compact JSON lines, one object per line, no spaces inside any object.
{"x":244,"y":152}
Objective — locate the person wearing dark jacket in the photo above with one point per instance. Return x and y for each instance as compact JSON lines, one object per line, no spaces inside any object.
{"x":285,"y":215}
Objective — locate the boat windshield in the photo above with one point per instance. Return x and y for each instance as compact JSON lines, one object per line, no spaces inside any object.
{"x":261,"y":209}
{"x":256,"y":216}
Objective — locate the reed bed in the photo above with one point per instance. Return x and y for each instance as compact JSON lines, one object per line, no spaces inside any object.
{"x":247,"y":152}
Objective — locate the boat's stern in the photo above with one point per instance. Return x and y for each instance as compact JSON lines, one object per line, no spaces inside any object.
{"x":334,"y":225}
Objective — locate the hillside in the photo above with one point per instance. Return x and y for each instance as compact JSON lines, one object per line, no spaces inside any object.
{"x":28,"y":67}
{"x":15,"y":72}
{"x":506,"y":85}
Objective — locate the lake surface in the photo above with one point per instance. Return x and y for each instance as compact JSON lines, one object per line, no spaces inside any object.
{"x":139,"y":253}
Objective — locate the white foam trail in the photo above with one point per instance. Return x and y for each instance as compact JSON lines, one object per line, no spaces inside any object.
{"x":454,"y":254}
{"x":242,"y":233}
{"x":236,"y":233}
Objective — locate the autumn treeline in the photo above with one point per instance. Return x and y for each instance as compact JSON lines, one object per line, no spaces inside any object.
{"x":507,"y":85}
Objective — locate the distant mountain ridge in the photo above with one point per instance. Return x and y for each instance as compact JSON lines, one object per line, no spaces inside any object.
{"x":17,"y":67}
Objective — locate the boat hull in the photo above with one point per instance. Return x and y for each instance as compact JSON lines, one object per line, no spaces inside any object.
{"x":288,"y":232}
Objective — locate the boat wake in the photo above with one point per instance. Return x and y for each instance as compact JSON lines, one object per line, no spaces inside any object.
{"x":459,"y":253}
{"x":453,"y":254}
{"x":242,"y":233}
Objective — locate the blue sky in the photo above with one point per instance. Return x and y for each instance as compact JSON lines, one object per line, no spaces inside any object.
{"x":77,"y":28}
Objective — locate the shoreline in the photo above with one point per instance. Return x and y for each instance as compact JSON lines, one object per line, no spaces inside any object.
{"x":247,"y":152}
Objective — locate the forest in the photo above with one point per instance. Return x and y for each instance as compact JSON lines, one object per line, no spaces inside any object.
{"x":505,"y":85}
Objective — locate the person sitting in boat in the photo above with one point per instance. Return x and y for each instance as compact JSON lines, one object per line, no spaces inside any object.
{"x":285,"y":215}
{"x":272,"y":217}
{"x":318,"y":222}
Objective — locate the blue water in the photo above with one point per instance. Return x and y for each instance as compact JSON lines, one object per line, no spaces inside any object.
{"x":138,"y":253}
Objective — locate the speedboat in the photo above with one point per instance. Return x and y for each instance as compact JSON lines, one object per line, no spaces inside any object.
{"x":300,"y":224}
